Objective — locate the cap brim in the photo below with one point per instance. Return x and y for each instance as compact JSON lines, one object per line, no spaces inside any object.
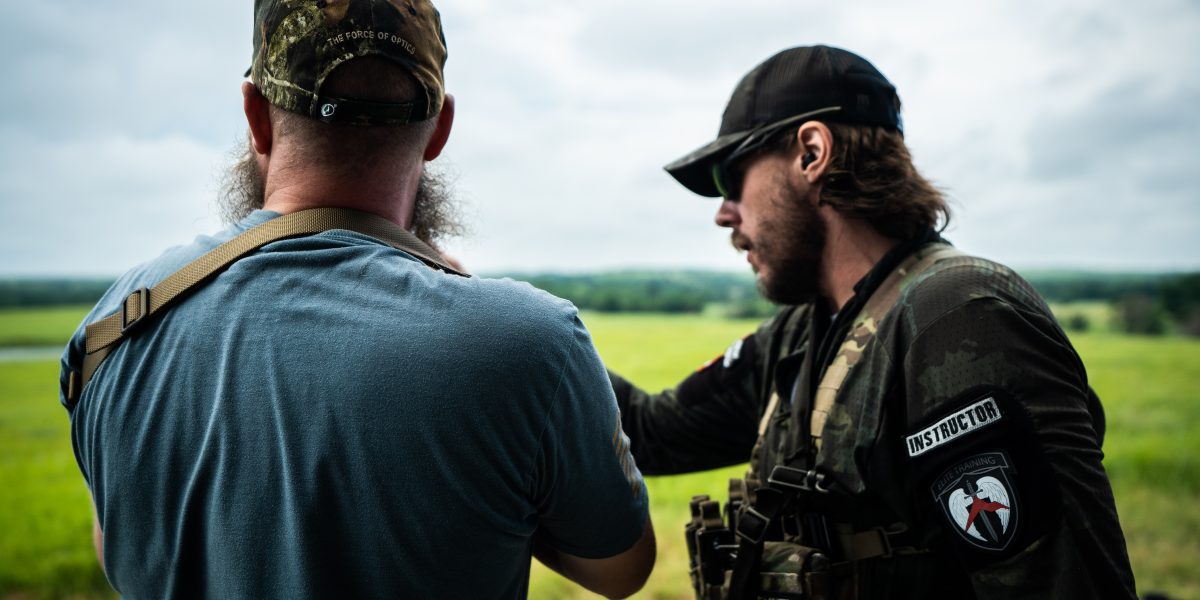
{"x":694,"y":171}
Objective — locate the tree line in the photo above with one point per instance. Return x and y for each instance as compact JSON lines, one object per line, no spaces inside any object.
{"x":1149,"y":303}
{"x":33,"y":292}
{"x":656,"y":291}
{"x":1174,"y":305}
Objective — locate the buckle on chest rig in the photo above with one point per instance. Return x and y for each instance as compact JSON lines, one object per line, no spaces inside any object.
{"x":877,"y":542}
{"x":799,"y":479}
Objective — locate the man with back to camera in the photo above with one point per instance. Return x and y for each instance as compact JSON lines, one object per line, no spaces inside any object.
{"x":313,"y":403}
{"x":917,"y":424}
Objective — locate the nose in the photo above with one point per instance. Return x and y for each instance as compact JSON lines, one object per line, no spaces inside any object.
{"x":728,"y":214}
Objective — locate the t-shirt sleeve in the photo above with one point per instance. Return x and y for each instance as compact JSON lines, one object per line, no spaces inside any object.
{"x":590,"y":495}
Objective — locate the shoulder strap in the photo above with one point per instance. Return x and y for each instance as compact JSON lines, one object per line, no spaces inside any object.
{"x":103,"y":336}
{"x":785,"y":482}
{"x":866,"y":324}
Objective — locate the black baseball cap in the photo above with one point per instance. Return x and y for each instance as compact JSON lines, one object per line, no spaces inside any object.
{"x":804,"y":83}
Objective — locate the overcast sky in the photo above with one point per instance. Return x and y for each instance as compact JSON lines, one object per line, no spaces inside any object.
{"x":1067,"y":132}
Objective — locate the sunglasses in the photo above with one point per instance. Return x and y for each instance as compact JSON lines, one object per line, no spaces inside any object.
{"x":728,"y":178}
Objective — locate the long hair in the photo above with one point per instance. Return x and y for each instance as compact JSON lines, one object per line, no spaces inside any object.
{"x":871,"y":176}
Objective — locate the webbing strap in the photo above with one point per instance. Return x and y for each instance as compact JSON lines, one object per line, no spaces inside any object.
{"x":765,"y":422}
{"x":866,"y":324}
{"x":753,"y":523}
{"x":101,"y":337}
{"x":755,"y":519}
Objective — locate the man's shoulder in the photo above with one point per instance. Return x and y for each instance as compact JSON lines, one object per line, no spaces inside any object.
{"x":958,"y":282}
{"x":509,"y":298}
{"x":515,"y":310}
{"x":150,"y":273}
{"x":499,"y":315}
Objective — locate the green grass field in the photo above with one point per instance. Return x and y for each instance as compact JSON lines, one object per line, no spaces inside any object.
{"x":1150,"y":386}
{"x":42,"y":327}
{"x":1098,"y":315}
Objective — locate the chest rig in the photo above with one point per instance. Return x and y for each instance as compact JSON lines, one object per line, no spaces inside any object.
{"x":766,"y":543}
{"x":104,"y":336}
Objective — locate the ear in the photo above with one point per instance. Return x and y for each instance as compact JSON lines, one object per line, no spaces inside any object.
{"x":815,"y":141}
{"x":258,"y":117}
{"x":441,"y":132}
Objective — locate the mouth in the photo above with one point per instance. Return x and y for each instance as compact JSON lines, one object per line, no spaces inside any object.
{"x":740,"y":242}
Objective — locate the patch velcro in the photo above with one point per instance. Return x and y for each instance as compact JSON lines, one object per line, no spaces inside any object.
{"x":733,"y":353}
{"x":724,"y":374}
{"x":731,"y":356}
{"x":959,"y":423}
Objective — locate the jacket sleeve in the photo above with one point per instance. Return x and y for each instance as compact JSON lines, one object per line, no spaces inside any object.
{"x":1006,"y":459}
{"x":710,"y":419}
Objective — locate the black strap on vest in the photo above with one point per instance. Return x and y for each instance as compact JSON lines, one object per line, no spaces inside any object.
{"x":105,"y":335}
{"x":753,"y":523}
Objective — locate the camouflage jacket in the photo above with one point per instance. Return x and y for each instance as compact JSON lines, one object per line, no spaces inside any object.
{"x":969,"y":420}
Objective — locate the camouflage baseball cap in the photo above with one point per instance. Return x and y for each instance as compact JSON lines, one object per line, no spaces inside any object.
{"x":298,"y":43}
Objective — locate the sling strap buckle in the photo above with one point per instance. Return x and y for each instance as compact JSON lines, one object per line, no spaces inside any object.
{"x":135,"y":308}
{"x":102,"y":336}
{"x":74,"y":387}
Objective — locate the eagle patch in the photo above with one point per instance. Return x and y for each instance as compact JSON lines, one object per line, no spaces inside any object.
{"x":978,"y":497}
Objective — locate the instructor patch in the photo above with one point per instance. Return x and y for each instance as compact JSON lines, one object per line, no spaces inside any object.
{"x":979,"y":499}
{"x":957,"y":424}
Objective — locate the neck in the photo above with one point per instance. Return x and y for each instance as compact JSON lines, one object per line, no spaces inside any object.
{"x":852,"y":248}
{"x":388,"y":193}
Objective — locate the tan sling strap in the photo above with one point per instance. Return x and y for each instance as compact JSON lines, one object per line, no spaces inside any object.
{"x":763,"y":424}
{"x":866,"y":324}
{"x":103,"y":336}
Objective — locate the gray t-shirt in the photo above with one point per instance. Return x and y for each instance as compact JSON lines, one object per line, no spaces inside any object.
{"x":330,"y":417}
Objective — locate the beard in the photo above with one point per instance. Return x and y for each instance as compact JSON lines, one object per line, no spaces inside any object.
{"x":788,"y":249}
{"x":437,"y":213}
{"x":242,"y":186}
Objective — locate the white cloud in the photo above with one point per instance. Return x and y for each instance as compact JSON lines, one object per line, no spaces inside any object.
{"x":102,"y":205}
{"x":1065,"y":131}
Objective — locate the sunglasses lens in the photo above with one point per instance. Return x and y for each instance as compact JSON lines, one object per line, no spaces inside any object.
{"x":721,"y":180}
{"x":726,"y":183}
{"x":727,"y":179}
